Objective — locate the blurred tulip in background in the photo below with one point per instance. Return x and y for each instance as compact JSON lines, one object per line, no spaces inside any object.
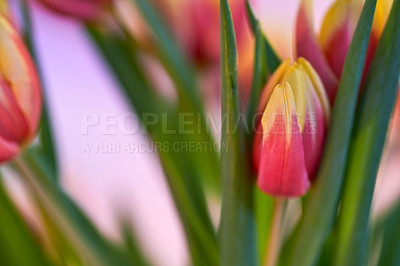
{"x":196,"y":27}
{"x":80,"y":9}
{"x":328,"y":52}
{"x":20,"y":97}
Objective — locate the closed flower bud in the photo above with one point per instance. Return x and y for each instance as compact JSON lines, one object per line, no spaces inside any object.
{"x":291,"y":133}
{"x":20,"y":98}
{"x":80,"y":9}
{"x":307,"y":45}
{"x":337,"y":31}
{"x":328,"y":53}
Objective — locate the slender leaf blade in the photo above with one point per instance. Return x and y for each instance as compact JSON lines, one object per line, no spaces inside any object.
{"x":264,"y":206}
{"x":17,"y":244}
{"x":47,"y":139}
{"x":390,"y":255}
{"x":172,"y":58}
{"x":182,"y":176}
{"x":262,"y":203}
{"x":369,"y":135}
{"x":182,"y":73}
{"x":273,"y":60}
{"x":259,"y":79}
{"x":237,"y":228}
{"x":75,"y":225}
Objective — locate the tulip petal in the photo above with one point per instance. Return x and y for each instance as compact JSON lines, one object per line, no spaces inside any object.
{"x":319,"y":88}
{"x":18,"y":71}
{"x":275,"y":78}
{"x":81,"y":9}
{"x":7,"y":150}
{"x":381,"y":15}
{"x":295,"y":79}
{"x":13,"y":125}
{"x":314,"y":131}
{"x":282,"y":168}
{"x":308,"y":47}
{"x":337,"y":31}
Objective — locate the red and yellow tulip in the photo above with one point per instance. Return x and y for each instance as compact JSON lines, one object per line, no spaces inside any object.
{"x":291,"y":133}
{"x":20,"y":97}
{"x":328,"y":52}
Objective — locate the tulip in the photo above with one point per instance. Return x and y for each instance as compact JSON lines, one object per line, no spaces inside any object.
{"x":81,"y":9}
{"x":327,"y":54}
{"x":20,"y":98}
{"x":291,"y":132}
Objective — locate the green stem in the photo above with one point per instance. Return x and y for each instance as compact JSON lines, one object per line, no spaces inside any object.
{"x":54,"y":211}
{"x":273,"y":246}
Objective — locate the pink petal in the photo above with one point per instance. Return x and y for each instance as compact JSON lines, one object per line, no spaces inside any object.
{"x":337,"y":32}
{"x":13,"y":125}
{"x":17,"y":69}
{"x":7,"y":150}
{"x":81,"y":9}
{"x":308,"y":47}
{"x":313,"y":134}
{"x":282,"y":168}
{"x":337,"y":47}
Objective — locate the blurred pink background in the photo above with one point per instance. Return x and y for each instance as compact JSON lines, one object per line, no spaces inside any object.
{"x":78,"y":84}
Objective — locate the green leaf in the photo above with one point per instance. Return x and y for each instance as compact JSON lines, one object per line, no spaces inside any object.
{"x":133,"y":248}
{"x":305,"y":245}
{"x":390,"y":255}
{"x":260,"y":74}
{"x":237,"y":228}
{"x":273,"y":60}
{"x":46,"y":131}
{"x":263,"y":203}
{"x":183,"y":75}
{"x":66,"y":252}
{"x":170,"y":55}
{"x":17,"y":244}
{"x":264,"y":206}
{"x":70,"y":220}
{"x":369,"y":135}
{"x":182,"y":175}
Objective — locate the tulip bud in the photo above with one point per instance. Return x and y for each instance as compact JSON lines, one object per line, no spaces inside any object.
{"x":337,"y":31}
{"x":20,"y":98}
{"x":307,"y":46}
{"x":381,"y":15}
{"x":80,"y":9}
{"x":291,"y":133}
{"x":329,"y":53}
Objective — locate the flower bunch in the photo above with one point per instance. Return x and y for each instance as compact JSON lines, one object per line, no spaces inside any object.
{"x":320,"y":123}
